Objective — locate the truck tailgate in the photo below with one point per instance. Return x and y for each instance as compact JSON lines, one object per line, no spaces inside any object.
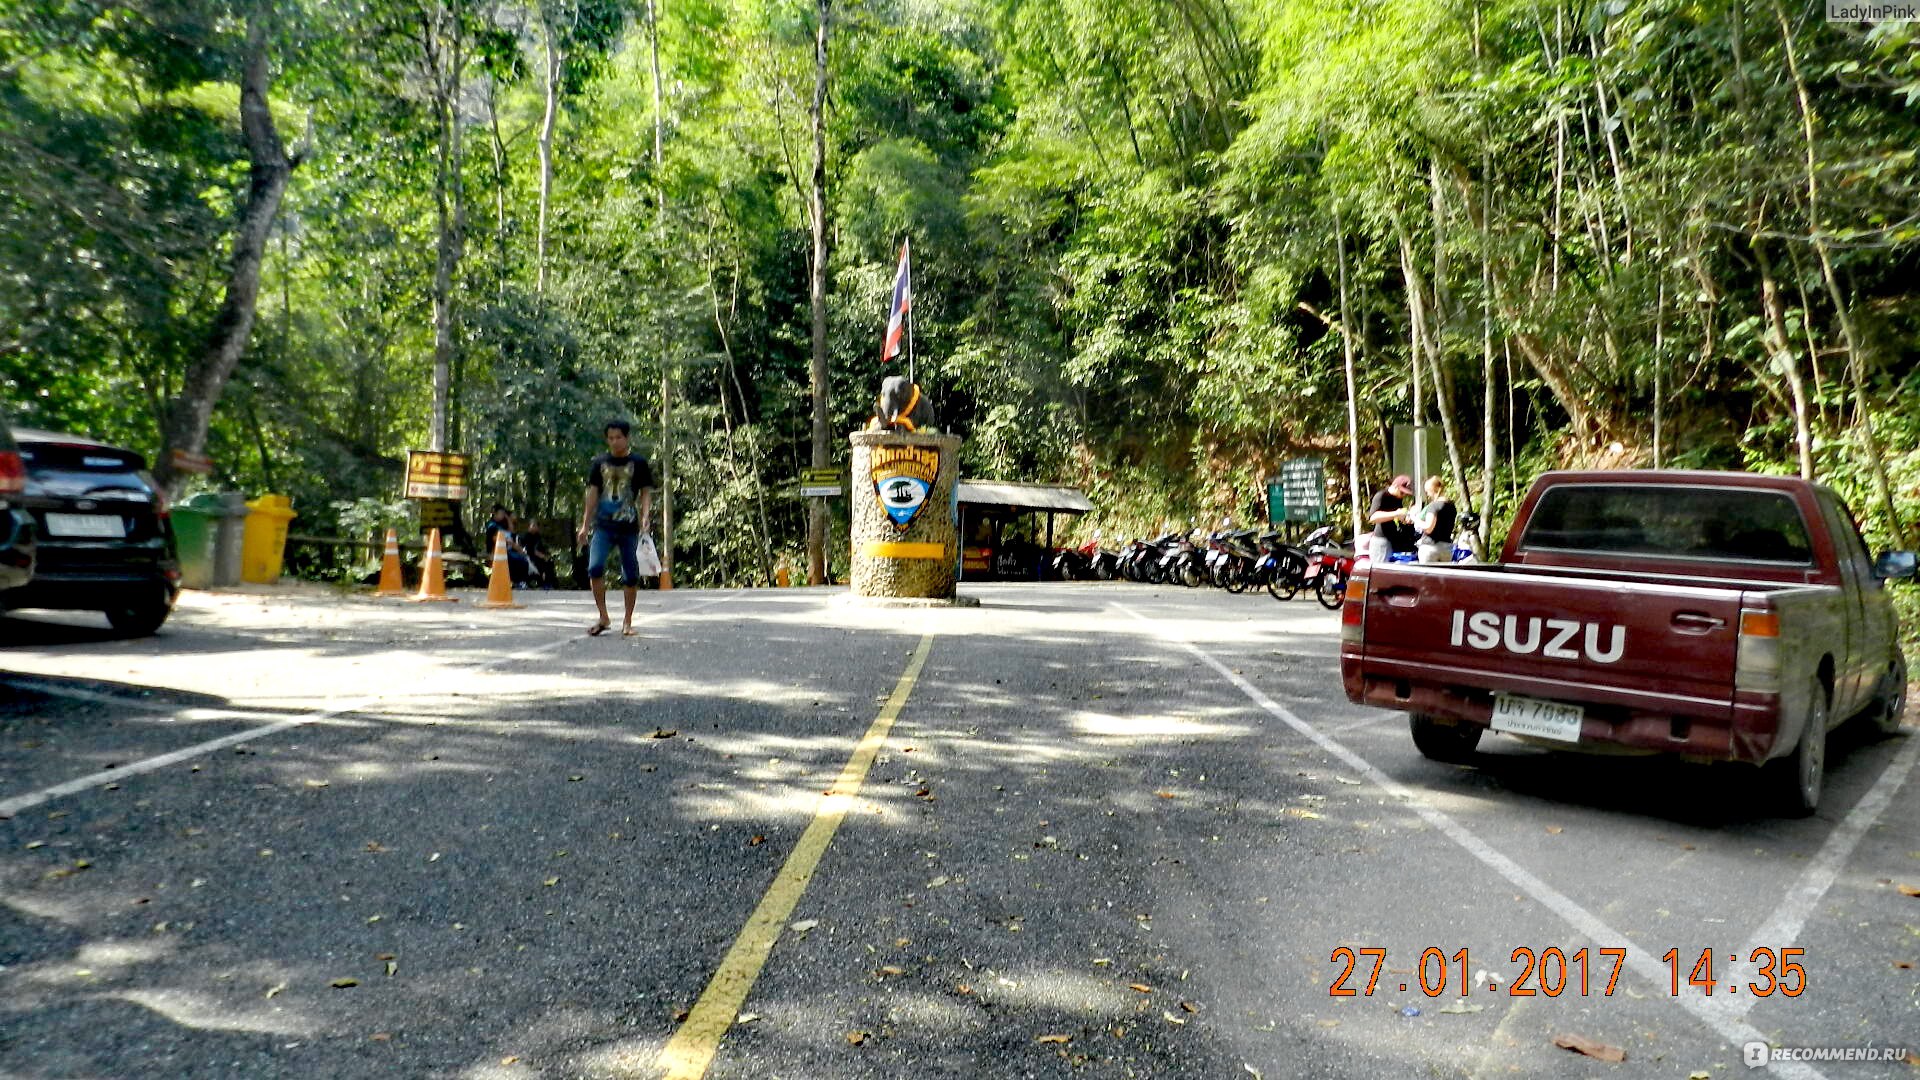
{"x":1638,"y":646}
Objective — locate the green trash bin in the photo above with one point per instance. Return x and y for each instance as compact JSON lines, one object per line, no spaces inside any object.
{"x":196,"y":527}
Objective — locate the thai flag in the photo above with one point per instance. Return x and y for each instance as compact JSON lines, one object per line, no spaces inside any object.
{"x":902,"y":303}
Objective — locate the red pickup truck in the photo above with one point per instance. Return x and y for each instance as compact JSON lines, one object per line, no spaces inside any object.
{"x":1718,"y":616}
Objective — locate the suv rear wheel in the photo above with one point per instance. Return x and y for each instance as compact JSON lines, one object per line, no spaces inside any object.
{"x":142,"y":617}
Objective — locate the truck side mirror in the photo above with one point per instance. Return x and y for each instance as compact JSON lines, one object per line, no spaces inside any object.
{"x":1894,"y":565}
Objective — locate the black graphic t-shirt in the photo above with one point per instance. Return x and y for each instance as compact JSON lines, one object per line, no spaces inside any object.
{"x":620,"y":482}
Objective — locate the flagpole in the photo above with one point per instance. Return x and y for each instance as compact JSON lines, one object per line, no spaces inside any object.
{"x":910,"y":330}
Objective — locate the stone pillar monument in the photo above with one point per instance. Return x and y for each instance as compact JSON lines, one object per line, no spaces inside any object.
{"x":906,"y":518}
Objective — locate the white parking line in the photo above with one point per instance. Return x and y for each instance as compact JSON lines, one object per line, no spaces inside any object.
{"x":1782,"y":928}
{"x":1731,"y":1028}
{"x":12,"y":807}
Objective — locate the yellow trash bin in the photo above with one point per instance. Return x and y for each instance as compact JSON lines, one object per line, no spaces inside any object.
{"x":264,"y":543}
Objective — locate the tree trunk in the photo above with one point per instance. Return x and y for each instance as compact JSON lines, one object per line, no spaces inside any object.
{"x":555,"y":58}
{"x":268,"y":172}
{"x":446,"y":60}
{"x":817,"y":508}
{"x":1353,"y":396}
{"x":1780,"y":350}
{"x":666,"y":364}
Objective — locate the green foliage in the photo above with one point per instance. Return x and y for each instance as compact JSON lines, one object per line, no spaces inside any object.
{"x":1127,"y":221}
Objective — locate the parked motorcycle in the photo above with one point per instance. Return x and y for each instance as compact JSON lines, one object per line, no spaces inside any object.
{"x":1232,"y":559}
{"x":1282,"y":567}
{"x":1330,"y":567}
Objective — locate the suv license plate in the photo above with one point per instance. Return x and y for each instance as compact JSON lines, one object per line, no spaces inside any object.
{"x":92,"y":525}
{"x":1541,"y":719}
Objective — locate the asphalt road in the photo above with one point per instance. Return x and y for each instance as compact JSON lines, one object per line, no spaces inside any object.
{"x":1103,"y":831}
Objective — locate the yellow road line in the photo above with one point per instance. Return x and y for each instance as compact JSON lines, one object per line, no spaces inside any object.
{"x":691,"y":1050}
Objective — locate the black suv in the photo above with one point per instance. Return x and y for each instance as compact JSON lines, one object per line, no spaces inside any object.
{"x":105,"y":543}
{"x":16,"y":525}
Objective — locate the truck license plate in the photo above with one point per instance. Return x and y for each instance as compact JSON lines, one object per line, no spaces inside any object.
{"x":1542,"y":719}
{"x":106,"y":526}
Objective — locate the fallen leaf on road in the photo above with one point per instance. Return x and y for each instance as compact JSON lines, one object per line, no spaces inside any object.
{"x":316,"y":783}
{"x":1461,"y":1007}
{"x":855,"y":1038}
{"x":1328,"y":1023}
{"x":1342,"y":780}
{"x":575,"y":778}
{"x":393,"y":968}
{"x":756,"y":840}
{"x":377,"y":847}
{"x":1166,"y":795}
{"x":1700,"y":1075}
{"x":937,"y":882}
{"x":680,"y":1015}
{"x":1295,"y":811}
{"x":664,"y":733}
{"x":381,"y":1036}
{"x":1188,"y":1006}
{"x":342,"y":984}
{"x":1555,"y":830}
{"x":963,"y":990}
{"x":804,"y":925}
{"x":1054,"y":1039}
{"x":551,"y":882}
{"x":1580,"y":1044}
{"x":1903,"y":965}
{"x":1172,"y":1019}
{"x":746,"y":1018}
{"x":891,"y":970}
{"x":1253,"y":1071}
{"x":1142,"y":987}
{"x":924,"y":793}
{"x":508,"y":1060}
{"x":274,"y":989}
{"x":1910,"y":890}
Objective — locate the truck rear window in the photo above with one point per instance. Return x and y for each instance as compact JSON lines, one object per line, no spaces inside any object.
{"x":1670,"y":521}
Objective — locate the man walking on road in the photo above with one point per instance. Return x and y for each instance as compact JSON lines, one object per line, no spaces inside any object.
{"x":618,"y":508}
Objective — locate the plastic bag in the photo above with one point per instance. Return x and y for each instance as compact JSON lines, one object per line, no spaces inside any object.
{"x":649,"y":557}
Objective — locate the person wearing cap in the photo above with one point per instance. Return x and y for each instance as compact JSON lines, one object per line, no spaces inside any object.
{"x":1392,"y":521}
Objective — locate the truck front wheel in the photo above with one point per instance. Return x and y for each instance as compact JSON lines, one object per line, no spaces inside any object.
{"x":1443,"y":741}
{"x":1891,"y":701}
{"x":1798,"y":777}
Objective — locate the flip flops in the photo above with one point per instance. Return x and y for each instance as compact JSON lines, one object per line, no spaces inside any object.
{"x":599,"y":628}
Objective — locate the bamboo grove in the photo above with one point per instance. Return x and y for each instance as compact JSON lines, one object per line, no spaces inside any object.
{"x":1160,"y":245}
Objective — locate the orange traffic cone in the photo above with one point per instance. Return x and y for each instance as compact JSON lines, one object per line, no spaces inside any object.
{"x":390,"y":583}
{"x":500,"y":578}
{"x":433,"y":577}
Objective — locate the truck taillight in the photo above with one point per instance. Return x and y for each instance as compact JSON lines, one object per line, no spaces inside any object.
{"x":1757,"y":663}
{"x":1353,"y":614}
{"x":13,"y":473}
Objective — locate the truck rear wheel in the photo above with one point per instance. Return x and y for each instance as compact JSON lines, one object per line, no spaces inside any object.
{"x":1798,"y":777}
{"x":1443,"y":741}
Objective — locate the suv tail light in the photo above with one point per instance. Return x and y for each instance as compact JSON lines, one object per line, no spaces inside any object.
{"x":1757,"y":663}
{"x":13,"y":473}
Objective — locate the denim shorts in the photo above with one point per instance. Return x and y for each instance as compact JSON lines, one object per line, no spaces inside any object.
{"x":602,"y":546}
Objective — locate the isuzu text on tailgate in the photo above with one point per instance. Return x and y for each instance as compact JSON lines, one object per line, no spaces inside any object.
{"x":1719,"y":616}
